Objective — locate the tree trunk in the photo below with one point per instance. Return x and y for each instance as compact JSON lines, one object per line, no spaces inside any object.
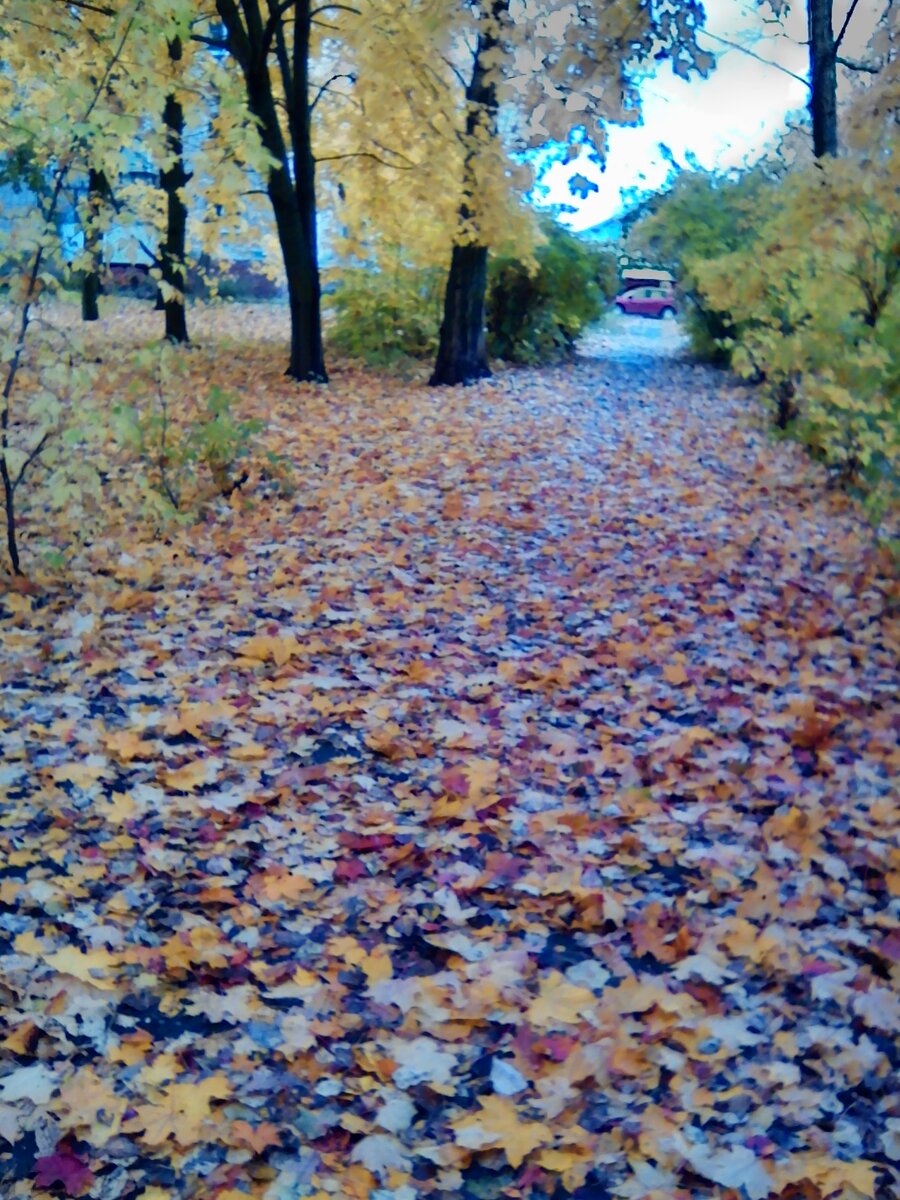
{"x":307,"y":352}
{"x":307,"y":362}
{"x":462,"y":351}
{"x":462,"y":354}
{"x":291,"y":184}
{"x":90,"y":280}
{"x":172,"y":180}
{"x":822,"y":78}
{"x":90,"y":293}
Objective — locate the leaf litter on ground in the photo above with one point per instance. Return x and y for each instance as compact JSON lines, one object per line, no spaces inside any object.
{"x":508,"y":811}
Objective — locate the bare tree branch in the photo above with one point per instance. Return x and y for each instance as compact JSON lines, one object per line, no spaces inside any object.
{"x":32,"y":457}
{"x":752,"y":54}
{"x":327,"y":84}
{"x":215,"y":43}
{"x":332,"y":7}
{"x":97,"y":8}
{"x":851,"y":65}
{"x":840,"y":37}
{"x":410,"y":166}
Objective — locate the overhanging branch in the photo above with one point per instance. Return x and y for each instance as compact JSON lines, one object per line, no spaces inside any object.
{"x":752,"y":54}
{"x":840,"y":37}
{"x":328,"y":82}
{"x":409,"y":166}
{"x":852,"y":65}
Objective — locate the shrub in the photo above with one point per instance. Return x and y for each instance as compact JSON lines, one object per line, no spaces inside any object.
{"x":535,"y":308}
{"x":799,"y":289}
{"x":173,"y":450}
{"x":702,"y":217}
{"x":388,"y":314}
{"x":535,"y":311}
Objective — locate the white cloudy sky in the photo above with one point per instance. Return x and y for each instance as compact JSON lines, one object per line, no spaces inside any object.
{"x":723,"y":119}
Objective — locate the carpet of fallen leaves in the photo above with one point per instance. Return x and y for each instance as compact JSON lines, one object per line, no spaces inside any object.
{"x":507,"y":812}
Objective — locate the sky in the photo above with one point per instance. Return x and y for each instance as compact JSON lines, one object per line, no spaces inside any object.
{"x":723,"y":120}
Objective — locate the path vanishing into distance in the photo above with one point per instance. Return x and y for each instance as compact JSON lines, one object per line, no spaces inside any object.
{"x":503,"y":808}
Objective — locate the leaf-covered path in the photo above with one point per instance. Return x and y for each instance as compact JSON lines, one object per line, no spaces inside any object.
{"x":508,"y":812}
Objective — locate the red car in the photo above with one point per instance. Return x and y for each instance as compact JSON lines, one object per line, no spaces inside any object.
{"x":647,"y":302}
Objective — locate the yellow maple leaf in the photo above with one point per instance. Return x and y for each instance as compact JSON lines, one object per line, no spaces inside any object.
{"x":180,"y":1111}
{"x":191,"y":716}
{"x":248,"y":752}
{"x":571,"y":1162}
{"x":83,"y":775}
{"x":119,"y":808}
{"x":163,"y":1069}
{"x":178,"y":952}
{"x":347,"y":949}
{"x":262,"y":648}
{"x":283,"y":885}
{"x":675,"y":673}
{"x":829,"y":1174}
{"x":482,"y":776}
{"x":254,"y":1137}
{"x":157,"y":1123}
{"x":190,"y":776}
{"x":86,"y":1100}
{"x":132,"y":1049}
{"x":129,"y":598}
{"x":127,"y":744}
{"x":377,"y":965}
{"x":498,"y":1126}
{"x":27,"y":943}
{"x":561,"y":1003}
{"x":87,"y":966}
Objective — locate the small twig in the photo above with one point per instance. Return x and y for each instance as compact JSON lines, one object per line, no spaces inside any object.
{"x":410,"y":166}
{"x":35,"y":454}
{"x":330,"y":8}
{"x":325,"y":86}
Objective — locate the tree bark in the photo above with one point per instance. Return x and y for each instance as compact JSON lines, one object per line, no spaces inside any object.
{"x":822,"y":78}
{"x":462,"y":351}
{"x":172,"y":180}
{"x":291,"y":183}
{"x":462,"y":354}
{"x":90,"y":294}
{"x":307,"y":360}
{"x":90,"y":280}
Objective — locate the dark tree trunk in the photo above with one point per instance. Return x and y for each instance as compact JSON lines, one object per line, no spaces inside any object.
{"x":822,"y":78}
{"x":90,"y":296}
{"x":786,"y":408}
{"x":172,"y":180}
{"x":90,"y":280}
{"x":462,"y":352}
{"x":307,"y":360}
{"x":307,"y":352}
{"x":291,"y":184}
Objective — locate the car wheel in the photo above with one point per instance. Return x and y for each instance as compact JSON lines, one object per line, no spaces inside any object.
{"x":622,"y":309}
{"x":667,"y":314}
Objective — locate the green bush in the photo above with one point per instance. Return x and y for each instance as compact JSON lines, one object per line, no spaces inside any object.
{"x":535,"y":310}
{"x":173,"y":448}
{"x":535,"y":315}
{"x":794,"y":280}
{"x":702,"y":217}
{"x":711,"y":333}
{"x":384,"y":316}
